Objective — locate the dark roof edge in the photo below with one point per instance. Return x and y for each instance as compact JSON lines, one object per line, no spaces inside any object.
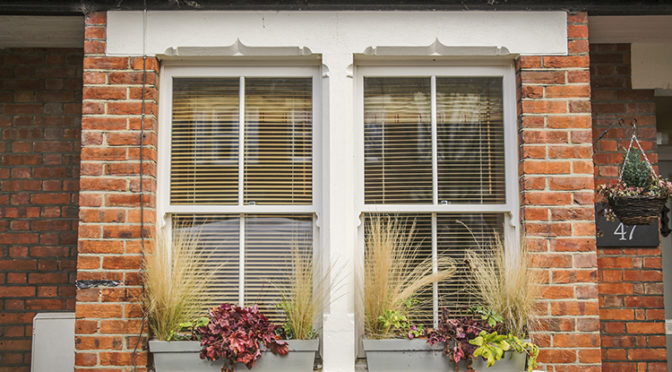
{"x":593,"y":7}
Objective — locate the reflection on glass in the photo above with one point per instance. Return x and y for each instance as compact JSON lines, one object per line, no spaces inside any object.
{"x":204,"y":141}
{"x":397,"y":140}
{"x":470,"y":138}
{"x":278,"y":140}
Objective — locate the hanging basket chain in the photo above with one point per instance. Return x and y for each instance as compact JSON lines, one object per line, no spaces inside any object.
{"x":641,"y":150}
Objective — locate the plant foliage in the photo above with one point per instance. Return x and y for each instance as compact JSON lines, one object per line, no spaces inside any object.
{"x":455,"y":335}
{"x":504,"y":284}
{"x":236,"y":335}
{"x":304,"y":298}
{"x":393,"y":272}
{"x":175,"y":280}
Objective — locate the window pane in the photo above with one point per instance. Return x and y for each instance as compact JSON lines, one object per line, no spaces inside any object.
{"x":219,"y":237}
{"x":397,"y":140}
{"x":278,"y":141}
{"x":269,"y":242}
{"x":204,"y":153}
{"x":470,"y":140}
{"x":455,"y":240}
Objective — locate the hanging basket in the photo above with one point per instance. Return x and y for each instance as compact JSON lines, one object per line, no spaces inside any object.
{"x":637,"y":210}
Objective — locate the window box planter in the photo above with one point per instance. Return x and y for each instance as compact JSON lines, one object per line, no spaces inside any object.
{"x":397,"y":355}
{"x":183,"y":356}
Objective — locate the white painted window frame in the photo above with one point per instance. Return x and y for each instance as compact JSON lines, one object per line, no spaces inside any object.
{"x":165,"y":209}
{"x":477,"y":68}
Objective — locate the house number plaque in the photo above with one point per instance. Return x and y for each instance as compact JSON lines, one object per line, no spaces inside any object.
{"x":615,"y":234}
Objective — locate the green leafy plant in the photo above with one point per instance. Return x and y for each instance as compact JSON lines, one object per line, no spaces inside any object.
{"x":487,"y":314}
{"x":400,"y":325}
{"x":635,"y":171}
{"x":393,"y":272}
{"x":188,"y":329}
{"x":491,"y":347}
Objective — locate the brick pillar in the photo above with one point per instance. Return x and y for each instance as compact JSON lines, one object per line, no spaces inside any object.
{"x":557,"y":200}
{"x":108,"y":318}
{"x":40,"y":103}
{"x":632,"y":313}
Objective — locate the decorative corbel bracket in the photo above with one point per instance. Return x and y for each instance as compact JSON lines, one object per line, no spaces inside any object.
{"x":237,"y":49}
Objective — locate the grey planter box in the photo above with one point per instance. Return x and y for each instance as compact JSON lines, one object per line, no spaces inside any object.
{"x":394,"y":355}
{"x":183,"y":356}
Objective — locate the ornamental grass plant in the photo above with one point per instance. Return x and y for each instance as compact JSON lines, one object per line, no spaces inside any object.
{"x":305,"y":296}
{"x":175,"y":282}
{"x":505,"y":284}
{"x":394,"y":273}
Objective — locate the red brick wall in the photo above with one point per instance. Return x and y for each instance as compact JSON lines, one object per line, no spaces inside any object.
{"x":631,"y":280}
{"x":40,"y":104}
{"x":108,"y":318}
{"x":557,"y":200}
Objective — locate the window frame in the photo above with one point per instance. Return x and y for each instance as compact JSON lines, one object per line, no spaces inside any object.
{"x":164,"y":208}
{"x":477,"y":68}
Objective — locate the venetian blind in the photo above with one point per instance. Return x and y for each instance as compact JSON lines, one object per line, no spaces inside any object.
{"x":469,"y":140}
{"x":219,"y":238}
{"x":470,"y":136}
{"x":278,"y":140}
{"x":204,"y":147}
{"x":269,"y":242}
{"x":397,"y":140}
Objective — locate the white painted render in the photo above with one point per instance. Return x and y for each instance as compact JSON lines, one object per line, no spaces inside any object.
{"x":338,"y":44}
{"x":532,"y":33}
{"x":652,"y":65}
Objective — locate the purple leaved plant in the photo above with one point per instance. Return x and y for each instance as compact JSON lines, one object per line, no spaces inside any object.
{"x":236,"y":334}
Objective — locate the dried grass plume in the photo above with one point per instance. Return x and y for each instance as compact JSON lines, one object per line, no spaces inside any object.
{"x":393,"y":272}
{"x":175,"y":281}
{"x":504,"y":282}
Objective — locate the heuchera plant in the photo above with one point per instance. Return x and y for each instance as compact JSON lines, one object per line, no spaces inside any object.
{"x":455,"y":334}
{"x":236,"y":334}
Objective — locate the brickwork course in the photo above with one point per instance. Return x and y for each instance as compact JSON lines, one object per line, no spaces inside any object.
{"x":557,"y":200}
{"x":40,"y":103}
{"x":108,"y":319}
{"x":632,"y":314}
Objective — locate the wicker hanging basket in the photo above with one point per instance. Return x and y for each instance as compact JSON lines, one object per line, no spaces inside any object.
{"x":637,"y":210}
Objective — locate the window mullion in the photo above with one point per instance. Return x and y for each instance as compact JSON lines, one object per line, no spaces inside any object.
{"x":435,"y":269}
{"x":241,"y":262}
{"x":435,"y":167}
{"x":241,"y":140}
{"x":241,"y":179}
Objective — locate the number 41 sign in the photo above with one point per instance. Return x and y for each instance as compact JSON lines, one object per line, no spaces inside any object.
{"x":616,"y":234}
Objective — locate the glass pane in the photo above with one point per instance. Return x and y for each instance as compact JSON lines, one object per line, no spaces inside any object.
{"x":397,"y":140}
{"x":470,"y":131}
{"x":454,"y":240}
{"x":219,"y":238}
{"x":278,"y":141}
{"x":269,"y":243}
{"x":204,"y":146}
